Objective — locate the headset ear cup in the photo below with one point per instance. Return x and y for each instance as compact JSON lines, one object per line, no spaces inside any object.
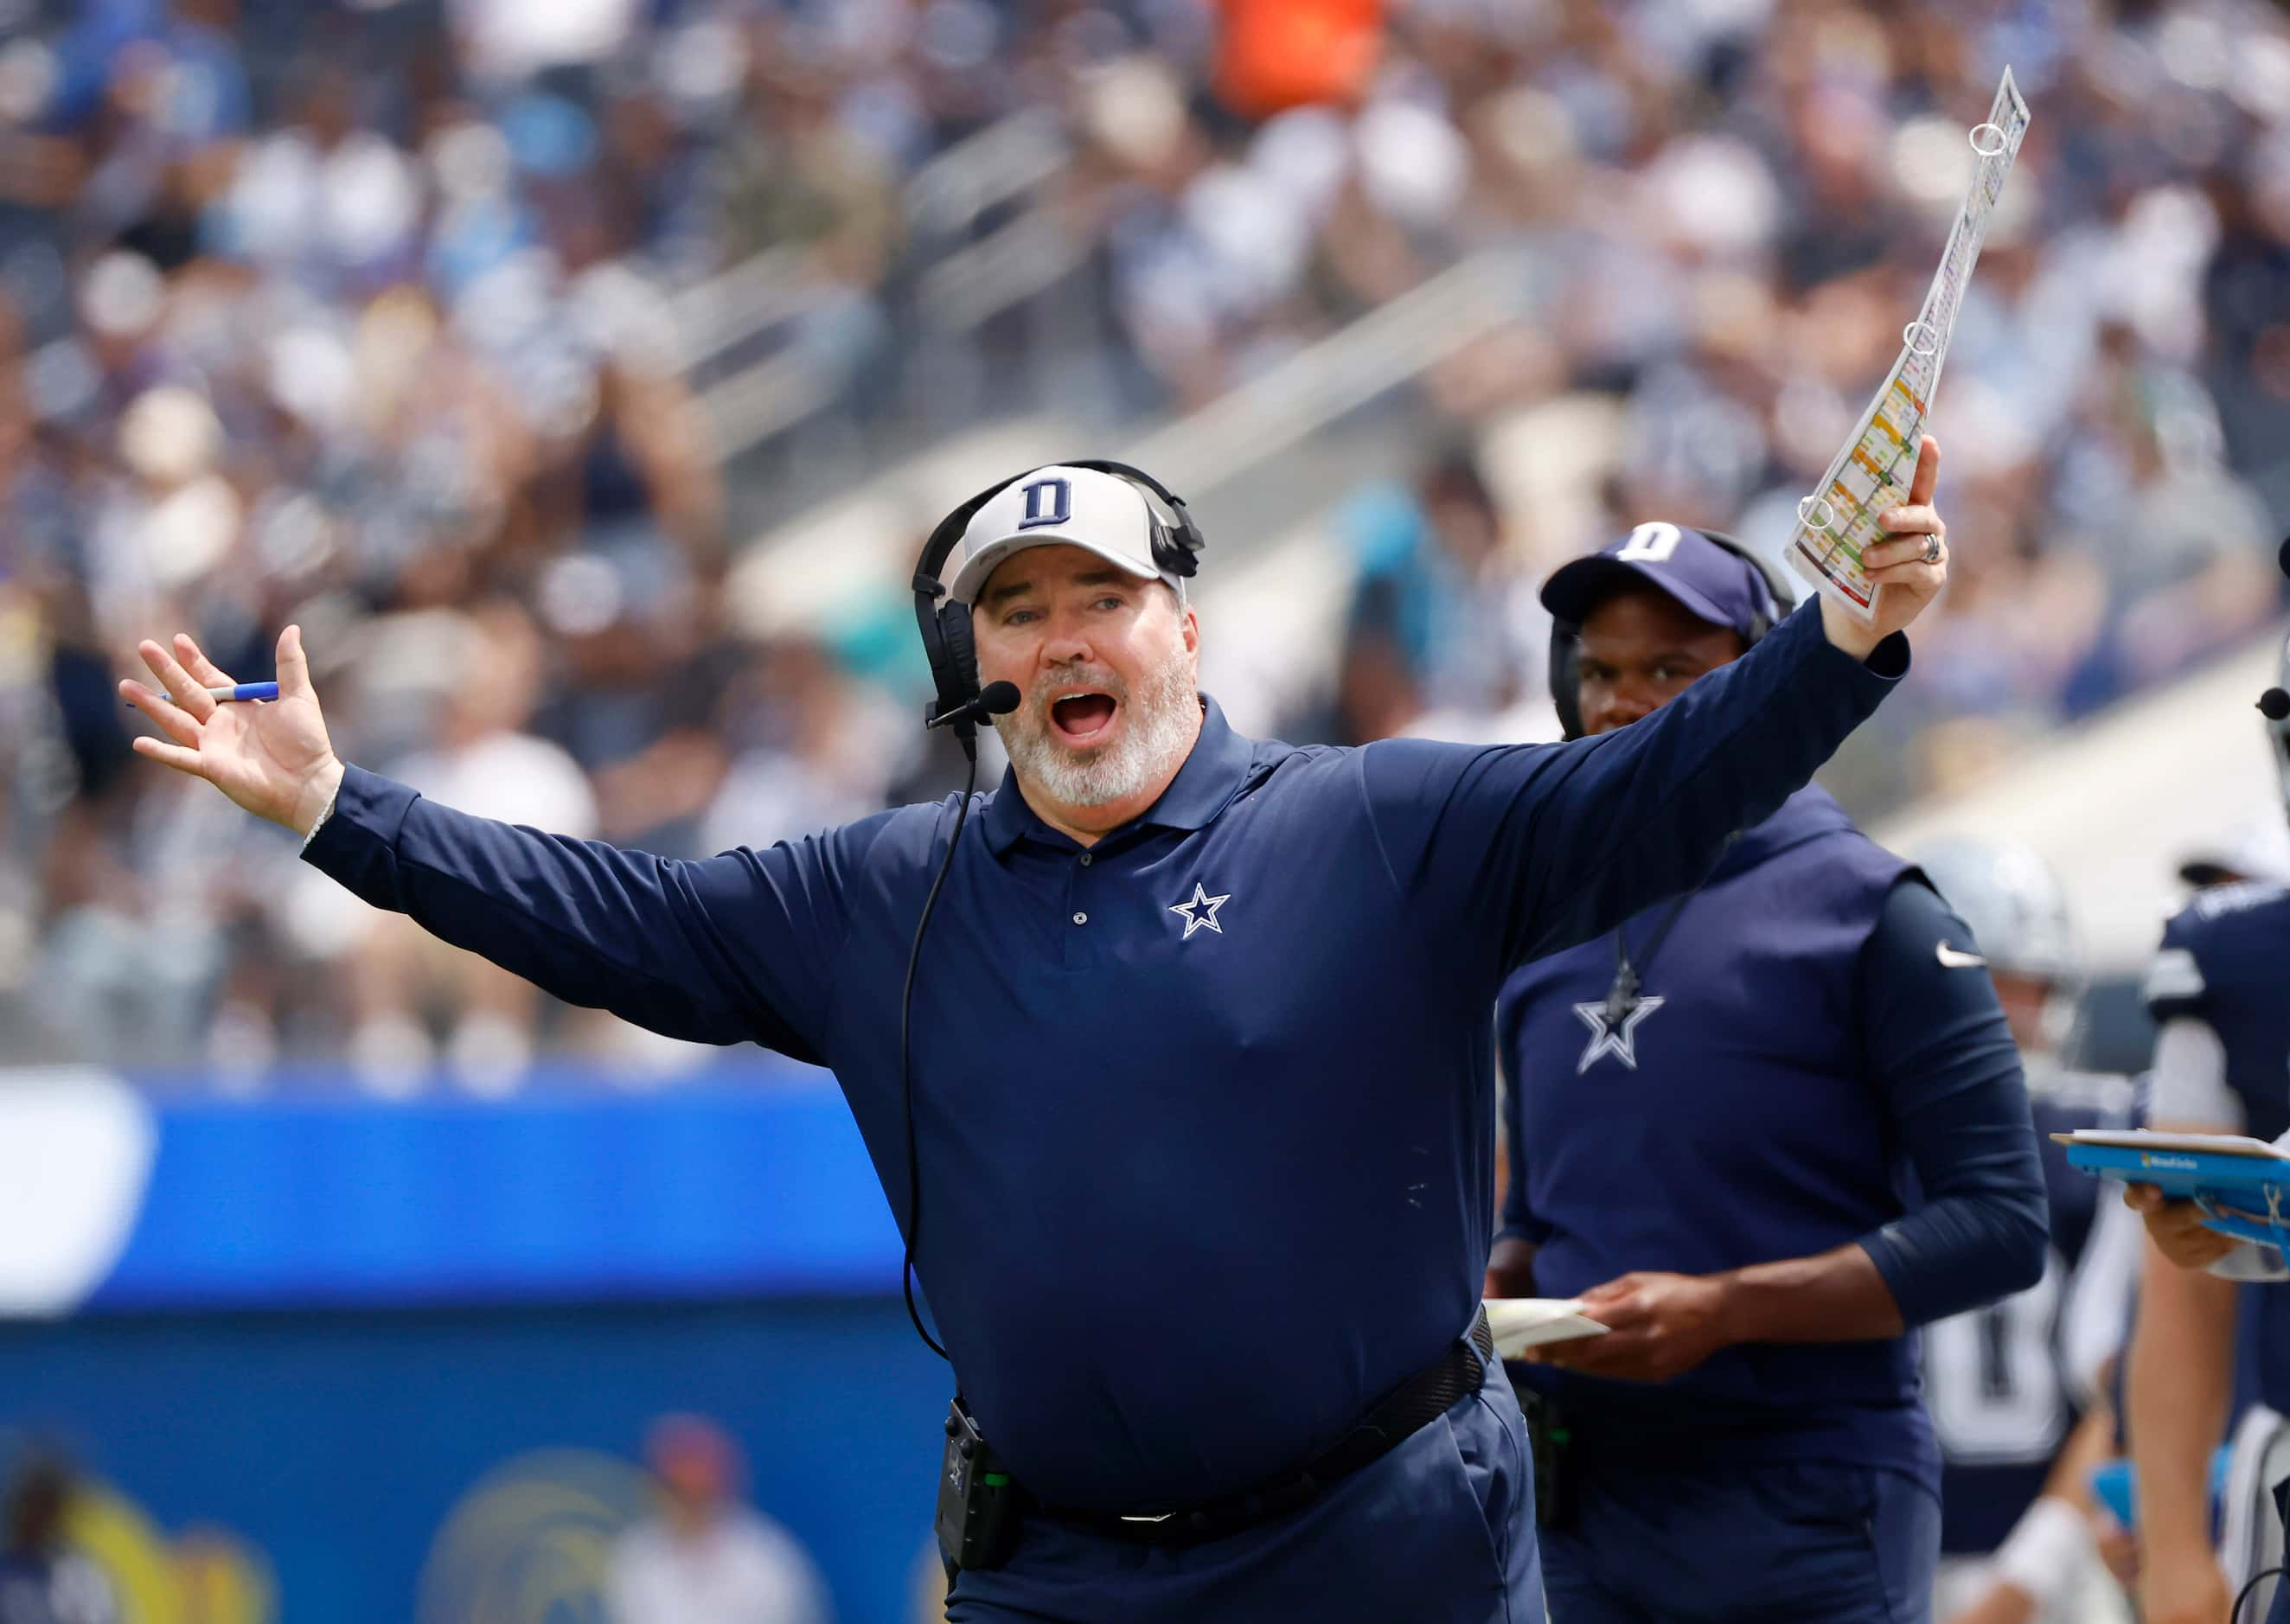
{"x":945,"y":626}
{"x":1176,"y":544}
{"x":934,"y":645}
{"x":1565,"y":680}
{"x":1185,"y":556}
{"x":1176,"y":548}
{"x":958,"y":679}
{"x":953,"y":659}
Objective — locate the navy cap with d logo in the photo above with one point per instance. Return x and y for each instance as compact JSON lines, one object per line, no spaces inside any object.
{"x":1711,"y":581}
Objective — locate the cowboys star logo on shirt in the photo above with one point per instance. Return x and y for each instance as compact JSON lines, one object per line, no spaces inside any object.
{"x":1610,"y":1034}
{"x":1200,"y":910}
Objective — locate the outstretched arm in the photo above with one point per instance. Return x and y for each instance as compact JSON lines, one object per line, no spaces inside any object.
{"x":735,"y":946}
{"x":1518,"y":850}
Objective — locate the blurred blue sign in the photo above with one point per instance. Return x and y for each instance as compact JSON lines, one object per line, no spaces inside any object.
{"x":314,"y":1323}
{"x":111,"y":1199}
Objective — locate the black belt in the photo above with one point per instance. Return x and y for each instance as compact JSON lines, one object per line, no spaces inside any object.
{"x":1423,"y":1398}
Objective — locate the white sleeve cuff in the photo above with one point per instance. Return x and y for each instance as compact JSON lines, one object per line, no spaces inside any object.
{"x":2048,"y":1552}
{"x":323,"y":814}
{"x":2251,"y":1262}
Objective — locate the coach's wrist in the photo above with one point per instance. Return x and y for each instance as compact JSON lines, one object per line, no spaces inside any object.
{"x":1734,"y":1309}
{"x":316,"y":798}
{"x":1854,"y":636}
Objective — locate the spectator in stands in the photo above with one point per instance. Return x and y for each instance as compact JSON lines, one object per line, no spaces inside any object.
{"x":707,"y":1558}
{"x":42,"y":1579}
{"x":1442,"y":618}
{"x":798,"y":178}
{"x":485,"y":763}
{"x":821,"y":751}
{"x":336,"y":308}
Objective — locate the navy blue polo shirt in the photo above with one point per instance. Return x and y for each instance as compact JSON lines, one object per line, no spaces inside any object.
{"x":1205,"y":1112}
{"x":1806,"y":1072}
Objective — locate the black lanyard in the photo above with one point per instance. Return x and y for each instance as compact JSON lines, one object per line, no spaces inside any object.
{"x":1623,"y":997}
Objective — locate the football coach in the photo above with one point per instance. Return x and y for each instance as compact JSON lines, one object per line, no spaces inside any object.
{"x":1201,"y":1081}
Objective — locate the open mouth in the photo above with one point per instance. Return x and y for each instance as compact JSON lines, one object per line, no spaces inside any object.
{"x":1082,"y":718}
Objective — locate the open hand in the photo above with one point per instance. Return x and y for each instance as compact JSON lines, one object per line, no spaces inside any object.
{"x":1906,"y":580}
{"x":1658,"y":1326}
{"x":272,"y":758}
{"x":2177,"y":1227}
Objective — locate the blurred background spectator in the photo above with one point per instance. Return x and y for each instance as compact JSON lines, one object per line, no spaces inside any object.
{"x":708,"y":1558}
{"x":545,"y":360}
{"x":42,"y":1579}
{"x":1444,"y":635}
{"x":483,"y":761}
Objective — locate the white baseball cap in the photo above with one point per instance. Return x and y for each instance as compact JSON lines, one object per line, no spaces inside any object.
{"x":1082,"y":508}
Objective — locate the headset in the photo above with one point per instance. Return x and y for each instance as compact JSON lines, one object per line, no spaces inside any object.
{"x":1177,"y":542}
{"x":1567,"y":644}
{"x":945,"y":626}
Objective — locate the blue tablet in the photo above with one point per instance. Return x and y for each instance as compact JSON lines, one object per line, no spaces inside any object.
{"x":2242,"y":1184}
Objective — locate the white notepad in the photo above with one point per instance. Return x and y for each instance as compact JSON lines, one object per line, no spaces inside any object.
{"x":1521,"y":1322}
{"x":2200,"y":1144}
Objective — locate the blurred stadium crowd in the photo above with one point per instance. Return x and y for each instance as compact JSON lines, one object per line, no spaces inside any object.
{"x":482,"y":339}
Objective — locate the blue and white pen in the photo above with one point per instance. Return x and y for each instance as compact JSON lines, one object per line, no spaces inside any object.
{"x":238,"y":690}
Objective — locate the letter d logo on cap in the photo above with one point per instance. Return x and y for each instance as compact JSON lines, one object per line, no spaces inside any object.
{"x":1048,"y":501}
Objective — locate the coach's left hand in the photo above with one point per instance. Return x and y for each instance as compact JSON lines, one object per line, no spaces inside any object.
{"x":1658,"y":1326}
{"x":1907,"y":580}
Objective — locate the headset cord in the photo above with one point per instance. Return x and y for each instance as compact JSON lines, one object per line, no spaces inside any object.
{"x":906,"y":1071}
{"x":2234,"y":1614}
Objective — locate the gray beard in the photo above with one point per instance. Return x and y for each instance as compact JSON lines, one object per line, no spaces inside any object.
{"x":1158,"y":731}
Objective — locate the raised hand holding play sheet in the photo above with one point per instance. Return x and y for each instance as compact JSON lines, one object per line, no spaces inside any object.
{"x":1871,"y":474}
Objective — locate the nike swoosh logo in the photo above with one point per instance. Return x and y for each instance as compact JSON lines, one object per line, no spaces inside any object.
{"x":1951,"y":959}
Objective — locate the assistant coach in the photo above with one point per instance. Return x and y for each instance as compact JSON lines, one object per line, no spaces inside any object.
{"x":1202,"y":1078}
{"x":1764,"y":1133}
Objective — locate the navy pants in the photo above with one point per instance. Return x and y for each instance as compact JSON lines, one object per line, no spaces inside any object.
{"x":1440,"y":1530}
{"x":1773,"y":1542}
